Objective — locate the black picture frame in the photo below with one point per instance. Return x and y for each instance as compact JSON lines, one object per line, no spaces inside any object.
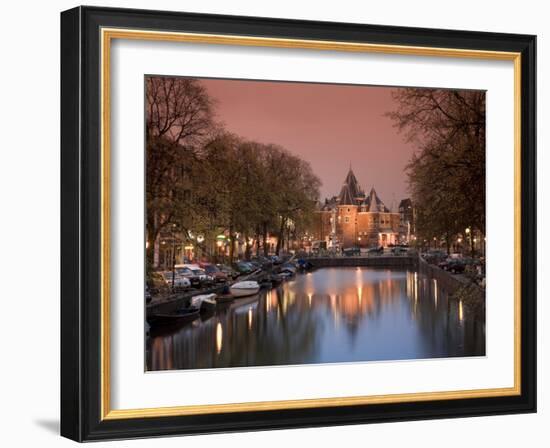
{"x":81,"y":224}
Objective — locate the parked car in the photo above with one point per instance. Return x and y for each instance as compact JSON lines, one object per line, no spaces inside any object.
{"x":262,"y":261}
{"x":351,"y":251}
{"x":399,"y":250}
{"x":453,"y":265}
{"x":175,"y":279}
{"x":375,"y":250}
{"x":184,"y":271}
{"x":216,"y":273}
{"x":434,"y":256}
{"x":228,"y":271}
{"x":244,"y":267}
{"x":156,"y":283}
{"x":204,"y":278}
{"x":460,"y":264}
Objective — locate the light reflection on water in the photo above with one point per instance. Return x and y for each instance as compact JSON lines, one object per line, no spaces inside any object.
{"x":329,"y":315}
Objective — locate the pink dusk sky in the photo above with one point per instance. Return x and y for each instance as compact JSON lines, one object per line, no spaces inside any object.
{"x":331,"y":126}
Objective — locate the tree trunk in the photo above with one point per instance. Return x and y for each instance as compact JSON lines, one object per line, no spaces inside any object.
{"x":264,"y":239}
{"x":150,"y":250}
{"x":258,"y":240}
{"x":448,"y":243}
{"x":280,"y":238}
{"x":246,"y":247}
{"x":231,"y":244}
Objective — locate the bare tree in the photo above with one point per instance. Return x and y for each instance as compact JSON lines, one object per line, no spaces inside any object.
{"x":179,"y":115}
{"x":177,"y":109}
{"x":447,"y":174}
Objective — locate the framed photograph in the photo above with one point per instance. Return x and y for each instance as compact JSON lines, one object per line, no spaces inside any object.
{"x":273,"y":223}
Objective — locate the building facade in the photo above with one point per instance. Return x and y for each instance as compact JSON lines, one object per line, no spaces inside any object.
{"x":356,"y":219}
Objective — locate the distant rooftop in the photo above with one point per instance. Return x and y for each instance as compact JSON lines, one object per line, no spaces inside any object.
{"x":352,"y":194}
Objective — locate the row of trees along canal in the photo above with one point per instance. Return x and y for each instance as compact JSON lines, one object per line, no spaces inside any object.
{"x":447,"y":174}
{"x":203,"y":180}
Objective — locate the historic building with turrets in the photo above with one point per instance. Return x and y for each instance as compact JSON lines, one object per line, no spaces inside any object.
{"x":356,"y":219}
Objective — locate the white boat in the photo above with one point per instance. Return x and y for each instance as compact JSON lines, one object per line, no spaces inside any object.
{"x":204,"y":301}
{"x":244,"y":289}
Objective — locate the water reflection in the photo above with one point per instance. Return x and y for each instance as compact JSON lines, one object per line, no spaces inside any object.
{"x":329,"y":315}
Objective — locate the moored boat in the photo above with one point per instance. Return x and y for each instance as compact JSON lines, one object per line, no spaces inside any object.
{"x":205,"y":302}
{"x":244,"y":289}
{"x":276,"y":280}
{"x":288,"y":268}
{"x":208,"y":305}
{"x":180,"y":316}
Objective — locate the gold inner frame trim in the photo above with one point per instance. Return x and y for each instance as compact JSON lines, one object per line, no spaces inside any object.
{"x":107,"y":35}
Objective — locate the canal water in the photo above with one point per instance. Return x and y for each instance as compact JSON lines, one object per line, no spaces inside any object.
{"x":328,"y":315}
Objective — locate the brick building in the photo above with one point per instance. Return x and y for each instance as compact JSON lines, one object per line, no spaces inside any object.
{"x":356,"y":219}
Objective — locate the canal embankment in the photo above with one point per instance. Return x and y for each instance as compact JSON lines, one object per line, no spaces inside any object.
{"x":459,"y":287}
